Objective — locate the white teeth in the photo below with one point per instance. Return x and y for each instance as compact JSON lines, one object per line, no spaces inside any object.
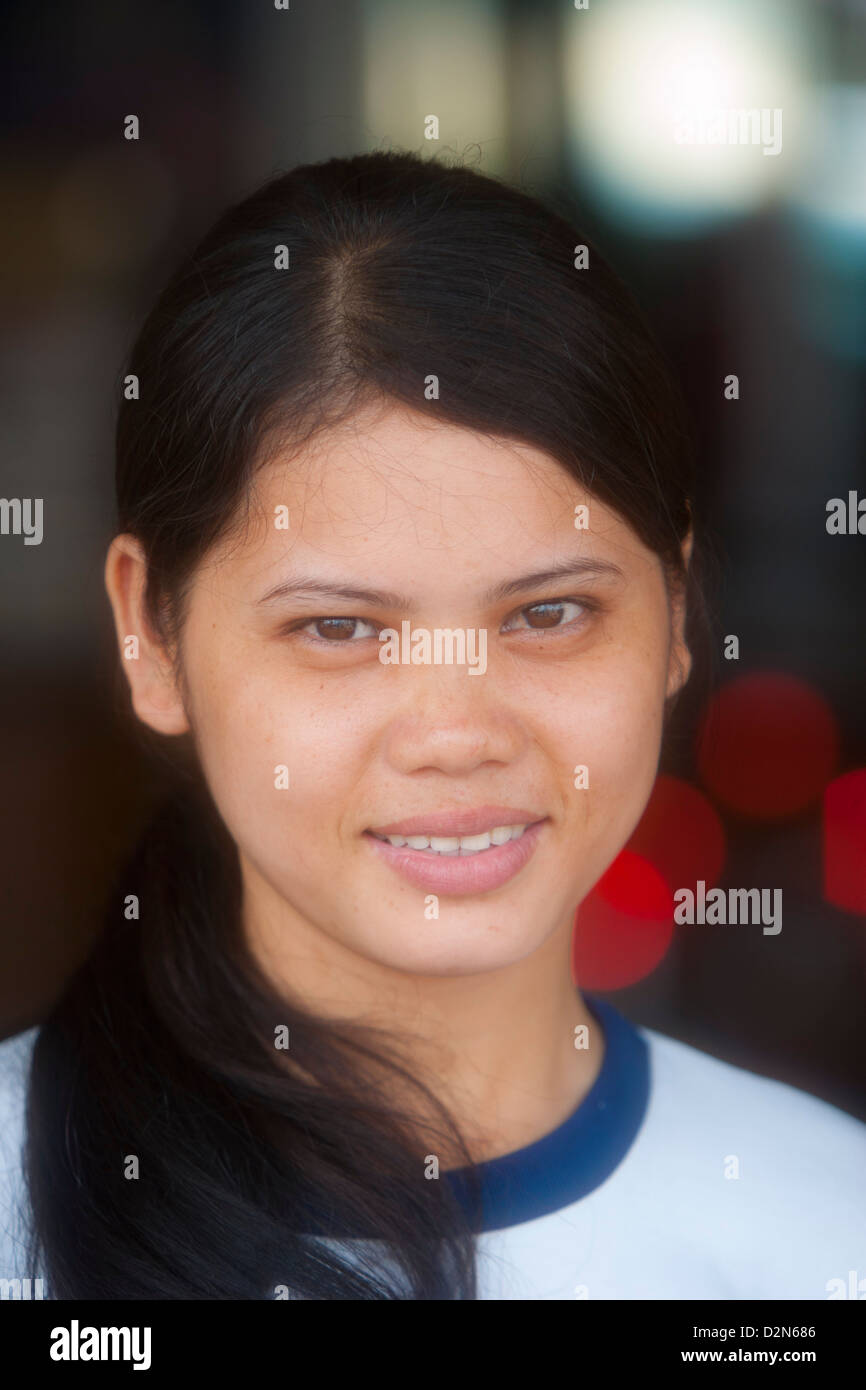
{"x":458,"y":844}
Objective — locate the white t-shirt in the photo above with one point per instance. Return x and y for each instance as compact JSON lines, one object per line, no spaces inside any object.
{"x":678,"y":1176}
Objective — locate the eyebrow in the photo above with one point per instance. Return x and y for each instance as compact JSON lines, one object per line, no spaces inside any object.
{"x":383,"y":598}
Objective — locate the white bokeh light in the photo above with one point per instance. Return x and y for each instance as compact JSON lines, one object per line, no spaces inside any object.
{"x":641,"y":71}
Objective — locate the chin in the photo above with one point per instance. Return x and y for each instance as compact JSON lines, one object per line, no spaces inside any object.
{"x":460,"y":950}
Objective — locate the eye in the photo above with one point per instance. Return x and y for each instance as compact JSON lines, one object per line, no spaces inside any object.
{"x":335,"y":632}
{"x":552,"y":614}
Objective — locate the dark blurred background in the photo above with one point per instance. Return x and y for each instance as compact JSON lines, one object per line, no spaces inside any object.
{"x":747,"y":263}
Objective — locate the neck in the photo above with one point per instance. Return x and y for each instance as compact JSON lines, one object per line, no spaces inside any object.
{"x":498,"y":1049}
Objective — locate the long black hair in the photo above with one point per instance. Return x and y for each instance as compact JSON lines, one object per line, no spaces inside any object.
{"x":173,"y":1151}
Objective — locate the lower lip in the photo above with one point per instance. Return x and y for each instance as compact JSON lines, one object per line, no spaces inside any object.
{"x":461,"y":874}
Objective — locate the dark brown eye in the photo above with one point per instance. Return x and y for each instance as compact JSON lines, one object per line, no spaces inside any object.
{"x":336,"y":631}
{"x":549,"y":615}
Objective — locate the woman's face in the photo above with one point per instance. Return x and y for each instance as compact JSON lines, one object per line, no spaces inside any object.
{"x":312,"y":744}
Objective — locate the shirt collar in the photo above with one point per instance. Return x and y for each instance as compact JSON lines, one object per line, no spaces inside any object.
{"x":577,"y":1156}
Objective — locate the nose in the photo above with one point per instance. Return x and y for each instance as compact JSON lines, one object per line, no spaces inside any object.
{"x":451,"y":722}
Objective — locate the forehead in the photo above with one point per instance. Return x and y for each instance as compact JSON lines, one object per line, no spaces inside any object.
{"x":394,"y":489}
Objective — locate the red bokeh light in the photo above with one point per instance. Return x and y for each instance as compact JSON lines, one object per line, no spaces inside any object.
{"x":680,"y":833}
{"x":623,"y":927}
{"x":768,"y":745}
{"x":844,"y":841}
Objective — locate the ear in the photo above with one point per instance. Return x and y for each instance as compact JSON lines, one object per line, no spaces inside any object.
{"x":680,"y":661}
{"x":146,"y":662}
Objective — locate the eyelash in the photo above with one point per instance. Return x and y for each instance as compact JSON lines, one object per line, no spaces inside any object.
{"x":590,"y":606}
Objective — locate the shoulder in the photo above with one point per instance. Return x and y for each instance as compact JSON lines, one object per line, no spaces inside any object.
{"x":757,"y":1168}
{"x":15,"y":1058}
{"x":724,"y":1099}
{"x":16,"y":1054}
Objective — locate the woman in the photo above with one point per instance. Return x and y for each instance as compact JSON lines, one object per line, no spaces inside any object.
{"x":404,"y":545}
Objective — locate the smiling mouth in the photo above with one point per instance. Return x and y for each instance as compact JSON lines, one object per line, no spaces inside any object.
{"x":455,"y":846}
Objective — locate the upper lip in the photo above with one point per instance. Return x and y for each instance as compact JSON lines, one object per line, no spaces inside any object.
{"x":466,"y":822}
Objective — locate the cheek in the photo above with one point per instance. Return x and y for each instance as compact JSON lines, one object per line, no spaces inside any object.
{"x":273,"y":753}
{"x":623,"y":754}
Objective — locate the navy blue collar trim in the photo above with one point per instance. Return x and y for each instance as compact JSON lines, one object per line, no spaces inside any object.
{"x":566,"y":1164}
{"x":583,"y":1151}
